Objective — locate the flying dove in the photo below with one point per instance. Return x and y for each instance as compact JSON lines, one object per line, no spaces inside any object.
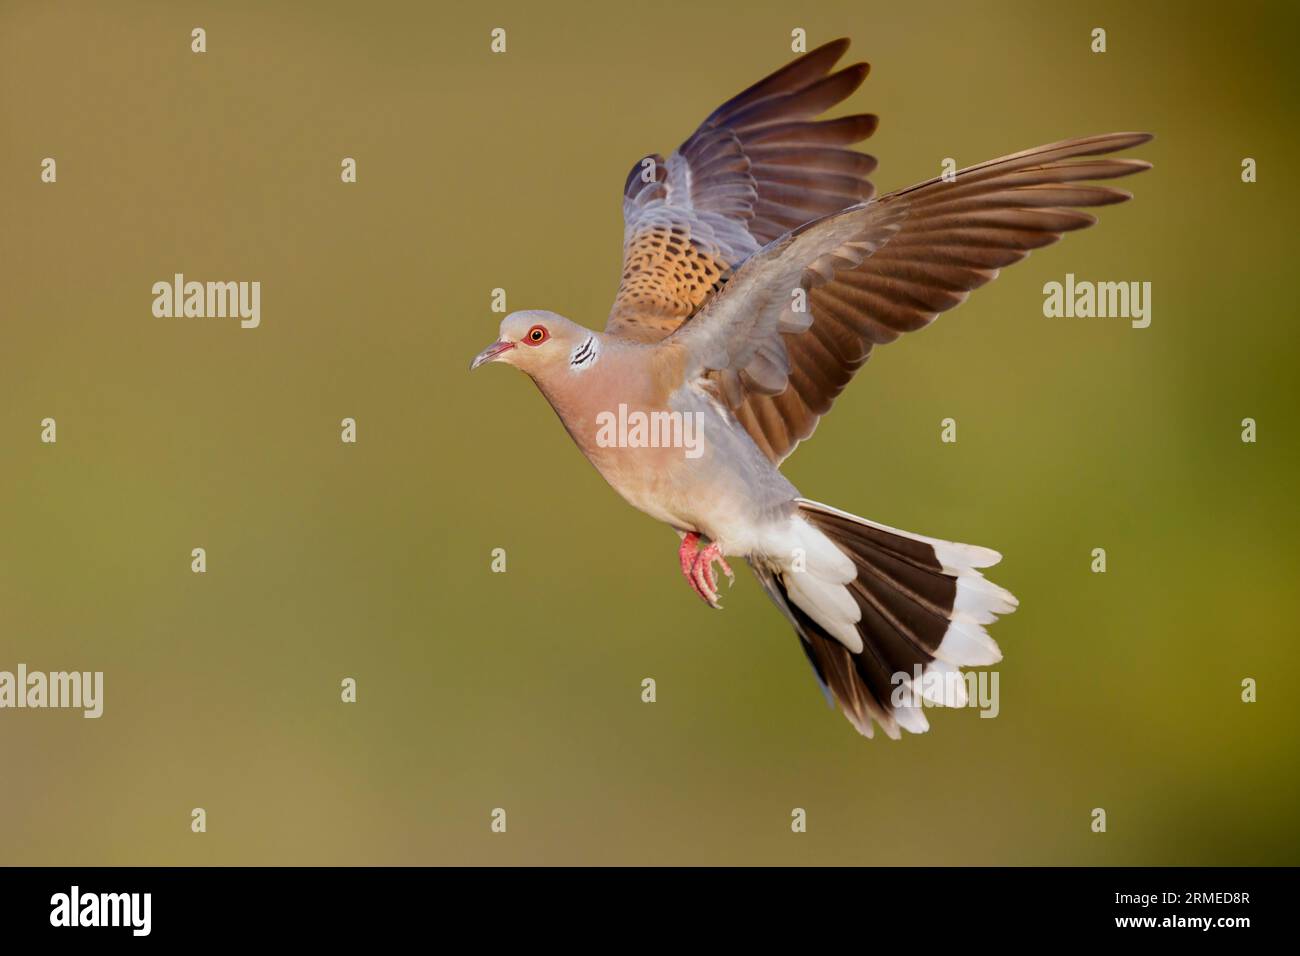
{"x":758,"y":274}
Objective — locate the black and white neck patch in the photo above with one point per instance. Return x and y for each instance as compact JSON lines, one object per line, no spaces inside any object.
{"x":584,"y":355}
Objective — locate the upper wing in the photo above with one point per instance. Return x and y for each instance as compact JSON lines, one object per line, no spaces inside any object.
{"x":758,"y":167}
{"x":877,"y":270}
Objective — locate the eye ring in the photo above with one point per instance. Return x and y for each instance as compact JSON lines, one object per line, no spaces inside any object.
{"x":537,"y":335}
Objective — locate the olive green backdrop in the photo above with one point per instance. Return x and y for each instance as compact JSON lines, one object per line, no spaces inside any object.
{"x":522,"y":690}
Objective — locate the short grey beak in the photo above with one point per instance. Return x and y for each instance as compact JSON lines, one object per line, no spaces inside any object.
{"x":491,"y":353}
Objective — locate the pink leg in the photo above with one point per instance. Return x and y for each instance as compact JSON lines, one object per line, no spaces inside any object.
{"x":686,"y":554}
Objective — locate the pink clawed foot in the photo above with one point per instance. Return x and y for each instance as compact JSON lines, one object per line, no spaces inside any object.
{"x":697,"y":568}
{"x":706,"y":585}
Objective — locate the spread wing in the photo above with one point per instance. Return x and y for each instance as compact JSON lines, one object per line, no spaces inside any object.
{"x":879,"y":269}
{"x":758,"y":167}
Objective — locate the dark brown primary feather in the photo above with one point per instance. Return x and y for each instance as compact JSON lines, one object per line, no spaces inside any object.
{"x":954,"y":238}
{"x":760,"y":165}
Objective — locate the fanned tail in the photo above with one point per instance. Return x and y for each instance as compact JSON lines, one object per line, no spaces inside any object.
{"x":882,"y":604}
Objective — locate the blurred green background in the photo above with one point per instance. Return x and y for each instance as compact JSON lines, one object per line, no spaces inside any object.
{"x":522,"y":690}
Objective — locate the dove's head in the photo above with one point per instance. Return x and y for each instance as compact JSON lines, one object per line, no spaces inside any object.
{"x":540,"y":343}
